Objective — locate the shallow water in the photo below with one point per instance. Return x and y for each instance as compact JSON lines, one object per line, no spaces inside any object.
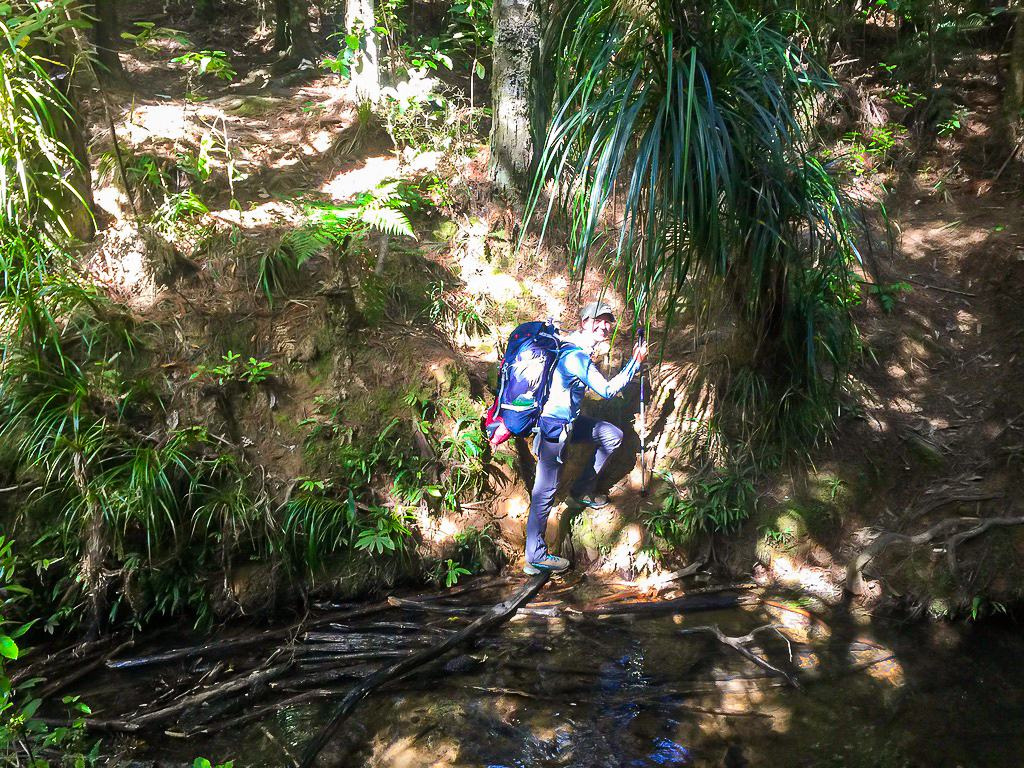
{"x":619,"y":692}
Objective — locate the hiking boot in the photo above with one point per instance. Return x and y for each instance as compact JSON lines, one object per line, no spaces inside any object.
{"x":548,"y":563}
{"x":592,"y":500}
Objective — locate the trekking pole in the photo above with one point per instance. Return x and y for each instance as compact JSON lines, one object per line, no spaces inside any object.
{"x":643,"y":425}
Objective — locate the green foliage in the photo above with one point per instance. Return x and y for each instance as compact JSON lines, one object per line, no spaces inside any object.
{"x":385,"y":209}
{"x":316,"y":524}
{"x":36,"y":167}
{"x":279,"y":266}
{"x":705,"y":135}
{"x":888,"y":294}
{"x":718,"y":502}
{"x":202,"y":762}
{"x":252,"y":371}
{"x":200,"y":63}
{"x":452,"y":573}
{"x":173,"y":217}
{"x":454,"y":313}
{"x":951,"y":124}
{"x":147,"y":33}
{"x":982,"y":607}
{"x":24,"y":736}
{"x":390,"y":532}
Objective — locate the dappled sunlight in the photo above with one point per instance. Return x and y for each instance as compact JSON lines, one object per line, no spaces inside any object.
{"x":157,"y":121}
{"x":924,"y":242}
{"x":369,"y":174}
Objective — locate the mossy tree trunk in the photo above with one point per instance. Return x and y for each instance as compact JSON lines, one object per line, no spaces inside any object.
{"x":302,"y":38}
{"x":519,"y":90}
{"x":1013,"y":99}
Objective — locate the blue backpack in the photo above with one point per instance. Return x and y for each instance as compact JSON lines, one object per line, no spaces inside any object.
{"x":524,"y":381}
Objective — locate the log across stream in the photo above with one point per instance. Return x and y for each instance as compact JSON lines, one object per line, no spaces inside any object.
{"x":580,"y":673}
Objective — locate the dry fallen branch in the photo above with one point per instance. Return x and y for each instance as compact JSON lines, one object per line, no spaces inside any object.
{"x":497,"y":615}
{"x":738,"y":645}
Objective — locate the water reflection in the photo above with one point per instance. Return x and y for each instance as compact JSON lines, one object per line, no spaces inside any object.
{"x":608,"y":694}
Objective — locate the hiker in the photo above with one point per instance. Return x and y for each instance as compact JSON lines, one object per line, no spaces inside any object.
{"x":561,"y":423}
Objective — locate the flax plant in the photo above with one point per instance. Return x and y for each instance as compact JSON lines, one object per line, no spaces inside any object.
{"x":688,"y":118}
{"x":35,"y":165}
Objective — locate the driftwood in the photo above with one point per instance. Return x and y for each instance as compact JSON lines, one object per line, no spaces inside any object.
{"x":53,"y":687}
{"x":738,"y":645}
{"x":250,"y":680}
{"x":855,"y":571}
{"x":545,"y":611}
{"x":443,"y":610}
{"x":386,"y":626}
{"x":224,"y":646}
{"x":496,"y":616}
{"x":67,"y":658}
{"x":337,"y":659}
{"x":357,"y":641}
{"x":678,"y":605}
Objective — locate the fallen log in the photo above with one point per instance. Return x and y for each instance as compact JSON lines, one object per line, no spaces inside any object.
{"x":53,"y":687}
{"x":147,"y":719}
{"x":444,"y":610}
{"x":224,"y":646}
{"x":496,"y":616}
{"x":337,"y":659}
{"x":677,"y":605}
{"x":353,"y":642}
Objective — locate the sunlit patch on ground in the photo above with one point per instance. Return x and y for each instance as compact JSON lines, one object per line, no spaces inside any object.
{"x":121,"y":264}
{"x":366,"y":176}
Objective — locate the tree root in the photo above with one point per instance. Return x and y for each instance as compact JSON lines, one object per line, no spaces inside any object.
{"x":855,"y":570}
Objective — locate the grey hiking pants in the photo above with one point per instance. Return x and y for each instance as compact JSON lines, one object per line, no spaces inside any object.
{"x":607,"y":437}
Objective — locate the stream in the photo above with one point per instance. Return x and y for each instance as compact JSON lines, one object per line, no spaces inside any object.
{"x":631,"y":691}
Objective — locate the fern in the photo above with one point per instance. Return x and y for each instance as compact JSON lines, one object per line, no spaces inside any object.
{"x":281,"y":264}
{"x":381,"y":210}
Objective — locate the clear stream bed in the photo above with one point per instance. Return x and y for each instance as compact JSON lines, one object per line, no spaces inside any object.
{"x":640,"y":692}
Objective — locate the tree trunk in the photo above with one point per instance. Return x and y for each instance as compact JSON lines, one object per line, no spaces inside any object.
{"x":282,"y":31}
{"x":78,"y":210}
{"x":1014,"y":97}
{"x":518,"y":121}
{"x":204,"y":10}
{"x":302,"y":38}
{"x":365,"y":76}
{"x":105,"y":36}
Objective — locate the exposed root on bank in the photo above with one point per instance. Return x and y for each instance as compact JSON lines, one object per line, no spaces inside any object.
{"x":855,"y":570}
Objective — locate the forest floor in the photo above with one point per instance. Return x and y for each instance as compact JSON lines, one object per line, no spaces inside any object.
{"x":938,"y":428}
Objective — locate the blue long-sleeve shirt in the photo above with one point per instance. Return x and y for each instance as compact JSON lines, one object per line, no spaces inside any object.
{"x":574,"y":374}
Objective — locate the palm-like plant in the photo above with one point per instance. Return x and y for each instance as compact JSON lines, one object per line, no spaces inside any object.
{"x":36,"y":167}
{"x":691,"y":118}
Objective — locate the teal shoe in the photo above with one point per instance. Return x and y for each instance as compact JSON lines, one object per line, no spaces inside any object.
{"x":548,"y":564}
{"x":593,"y":501}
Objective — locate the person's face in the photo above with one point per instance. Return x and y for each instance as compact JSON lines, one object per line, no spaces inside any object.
{"x":599,"y":328}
